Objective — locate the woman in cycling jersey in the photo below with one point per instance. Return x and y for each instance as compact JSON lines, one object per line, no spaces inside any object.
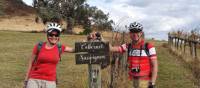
{"x":41,"y":71}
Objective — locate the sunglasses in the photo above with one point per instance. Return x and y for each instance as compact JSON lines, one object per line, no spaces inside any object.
{"x":134,"y":31}
{"x":51,"y":35}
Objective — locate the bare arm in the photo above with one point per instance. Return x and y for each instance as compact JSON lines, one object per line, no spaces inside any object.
{"x":154,"y":64}
{"x":29,"y":66}
{"x":69,"y":49}
{"x":114,"y":48}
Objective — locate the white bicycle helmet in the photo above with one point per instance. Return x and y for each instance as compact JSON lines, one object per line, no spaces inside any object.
{"x":53,"y":26}
{"x":135,"y":27}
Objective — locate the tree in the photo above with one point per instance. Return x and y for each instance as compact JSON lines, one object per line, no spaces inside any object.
{"x":47,"y":10}
{"x":101,"y":20}
{"x":74,"y":12}
{"x":68,"y":8}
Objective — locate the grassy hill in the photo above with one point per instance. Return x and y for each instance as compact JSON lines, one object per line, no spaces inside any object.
{"x":16,"y":48}
{"x":15,"y":15}
{"x":15,"y":8}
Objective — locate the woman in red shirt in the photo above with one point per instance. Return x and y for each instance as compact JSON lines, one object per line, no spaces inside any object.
{"x":41,"y":71}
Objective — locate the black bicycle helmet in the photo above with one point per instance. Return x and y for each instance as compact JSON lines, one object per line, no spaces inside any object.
{"x":135,"y":27}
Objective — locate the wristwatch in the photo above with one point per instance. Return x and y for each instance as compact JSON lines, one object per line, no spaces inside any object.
{"x":151,"y":83}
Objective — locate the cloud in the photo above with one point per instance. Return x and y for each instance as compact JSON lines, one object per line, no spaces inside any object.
{"x":158,"y":16}
{"x":28,"y":2}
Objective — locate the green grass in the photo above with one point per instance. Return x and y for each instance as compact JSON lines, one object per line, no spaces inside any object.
{"x":16,"y":48}
{"x":172,"y":73}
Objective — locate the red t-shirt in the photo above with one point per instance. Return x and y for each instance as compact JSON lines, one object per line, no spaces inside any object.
{"x":139,"y":58}
{"x":45,"y":66}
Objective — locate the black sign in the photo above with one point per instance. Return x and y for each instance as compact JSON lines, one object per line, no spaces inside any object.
{"x":92,"y":58}
{"x":92,"y":47}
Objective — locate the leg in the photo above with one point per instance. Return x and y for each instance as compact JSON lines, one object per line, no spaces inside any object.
{"x":143,"y":83}
{"x":33,"y":83}
{"x":135,"y":83}
{"x":49,"y":84}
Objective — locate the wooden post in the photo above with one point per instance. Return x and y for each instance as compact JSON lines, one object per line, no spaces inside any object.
{"x":190,"y":45}
{"x":175,"y":42}
{"x":192,"y":48}
{"x":177,"y":45}
{"x":114,"y":66}
{"x":195,"y":49}
{"x":123,"y":38}
{"x":185,"y":41}
{"x":181,"y":44}
{"x":172,"y":41}
{"x":94,"y":76}
{"x":124,"y":56}
{"x":169,"y":40}
{"x":93,"y":54}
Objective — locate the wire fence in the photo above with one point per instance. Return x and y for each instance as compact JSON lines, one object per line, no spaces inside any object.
{"x":184,"y":43}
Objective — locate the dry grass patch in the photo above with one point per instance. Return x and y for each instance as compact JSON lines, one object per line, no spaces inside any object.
{"x":22,"y":23}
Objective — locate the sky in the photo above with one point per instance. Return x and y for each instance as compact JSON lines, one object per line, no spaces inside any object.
{"x":158,"y":17}
{"x":28,"y":2}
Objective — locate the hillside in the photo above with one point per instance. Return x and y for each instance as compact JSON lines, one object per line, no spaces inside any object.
{"x":15,"y":8}
{"x":15,"y":15}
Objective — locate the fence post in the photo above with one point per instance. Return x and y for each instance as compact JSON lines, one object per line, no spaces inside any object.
{"x":123,"y":57}
{"x":185,"y":41}
{"x":169,"y":40}
{"x":181,"y":44}
{"x":195,"y":49}
{"x":190,"y":45}
{"x":173,"y":42}
{"x":177,"y":43}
